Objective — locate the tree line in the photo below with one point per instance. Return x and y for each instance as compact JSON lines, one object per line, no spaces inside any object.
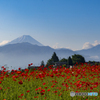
{"x":70,"y":61}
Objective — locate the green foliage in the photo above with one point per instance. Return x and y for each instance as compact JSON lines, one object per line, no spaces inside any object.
{"x":31,"y":70}
{"x":93,"y":61}
{"x":69,"y":61}
{"x":50,"y":62}
{"x":96,"y":63}
{"x":63,"y":60}
{"x":78,"y":58}
{"x":89,"y":61}
{"x":64,"y":65}
{"x":42,"y":63}
{"x":55,"y":57}
{"x":30,"y":87}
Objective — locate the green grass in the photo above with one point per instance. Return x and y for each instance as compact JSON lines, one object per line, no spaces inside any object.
{"x":51,"y":84}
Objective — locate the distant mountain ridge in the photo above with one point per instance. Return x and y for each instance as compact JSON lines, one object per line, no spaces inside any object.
{"x":26,"y":48}
{"x":91,"y":51}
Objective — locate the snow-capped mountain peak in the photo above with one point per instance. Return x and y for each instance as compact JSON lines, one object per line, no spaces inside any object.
{"x":25,"y":38}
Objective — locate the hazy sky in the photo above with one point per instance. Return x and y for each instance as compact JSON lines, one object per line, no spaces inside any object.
{"x":73,"y":24}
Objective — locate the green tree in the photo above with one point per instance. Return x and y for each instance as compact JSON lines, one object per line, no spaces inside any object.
{"x":63,"y":60}
{"x":93,"y":61}
{"x":55,"y":57}
{"x":89,"y":61}
{"x":42,"y":63}
{"x":69,"y":61}
{"x":50,"y":62}
{"x":78,"y":58}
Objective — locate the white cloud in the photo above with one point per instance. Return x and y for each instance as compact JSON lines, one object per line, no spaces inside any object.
{"x":76,"y":49}
{"x":95,"y":43}
{"x":55,"y":46}
{"x":88,"y":45}
{"x":71,"y":49}
{"x":95,"y":57}
{"x":4,"y":42}
{"x":67,"y":47}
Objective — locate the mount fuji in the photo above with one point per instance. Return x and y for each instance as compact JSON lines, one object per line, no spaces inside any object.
{"x":25,"y":38}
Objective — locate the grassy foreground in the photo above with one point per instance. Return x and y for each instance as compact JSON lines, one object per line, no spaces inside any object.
{"x":52,"y":84}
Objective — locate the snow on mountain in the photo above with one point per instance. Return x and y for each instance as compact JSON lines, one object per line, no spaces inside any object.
{"x":25,"y":38}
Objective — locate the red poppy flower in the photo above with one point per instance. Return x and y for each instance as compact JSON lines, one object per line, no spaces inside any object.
{"x":19,"y":68}
{"x":36,"y":97}
{"x":2,"y":67}
{"x":22,"y":94}
{"x":28,"y":91}
{"x":44,"y":83}
{"x":55,"y":91}
{"x":20,"y":82}
{"x":45,"y":87}
{"x":0,"y":88}
{"x":42,"y":90}
{"x":39,"y":88}
{"x":42,"y":93}
{"x":48,"y":90}
{"x":28,"y":64}
{"x":36,"y":89}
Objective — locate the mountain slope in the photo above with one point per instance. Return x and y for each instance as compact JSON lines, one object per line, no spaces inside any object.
{"x":92,"y":51}
{"x":24,"y":48}
{"x":25,"y":38}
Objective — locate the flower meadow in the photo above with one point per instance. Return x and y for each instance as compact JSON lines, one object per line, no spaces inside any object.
{"x":50,"y":83}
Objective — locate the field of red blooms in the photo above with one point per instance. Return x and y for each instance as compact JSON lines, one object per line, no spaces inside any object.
{"x":51,"y":83}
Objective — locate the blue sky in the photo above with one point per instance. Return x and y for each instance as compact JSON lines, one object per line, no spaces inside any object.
{"x":72,"y":24}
